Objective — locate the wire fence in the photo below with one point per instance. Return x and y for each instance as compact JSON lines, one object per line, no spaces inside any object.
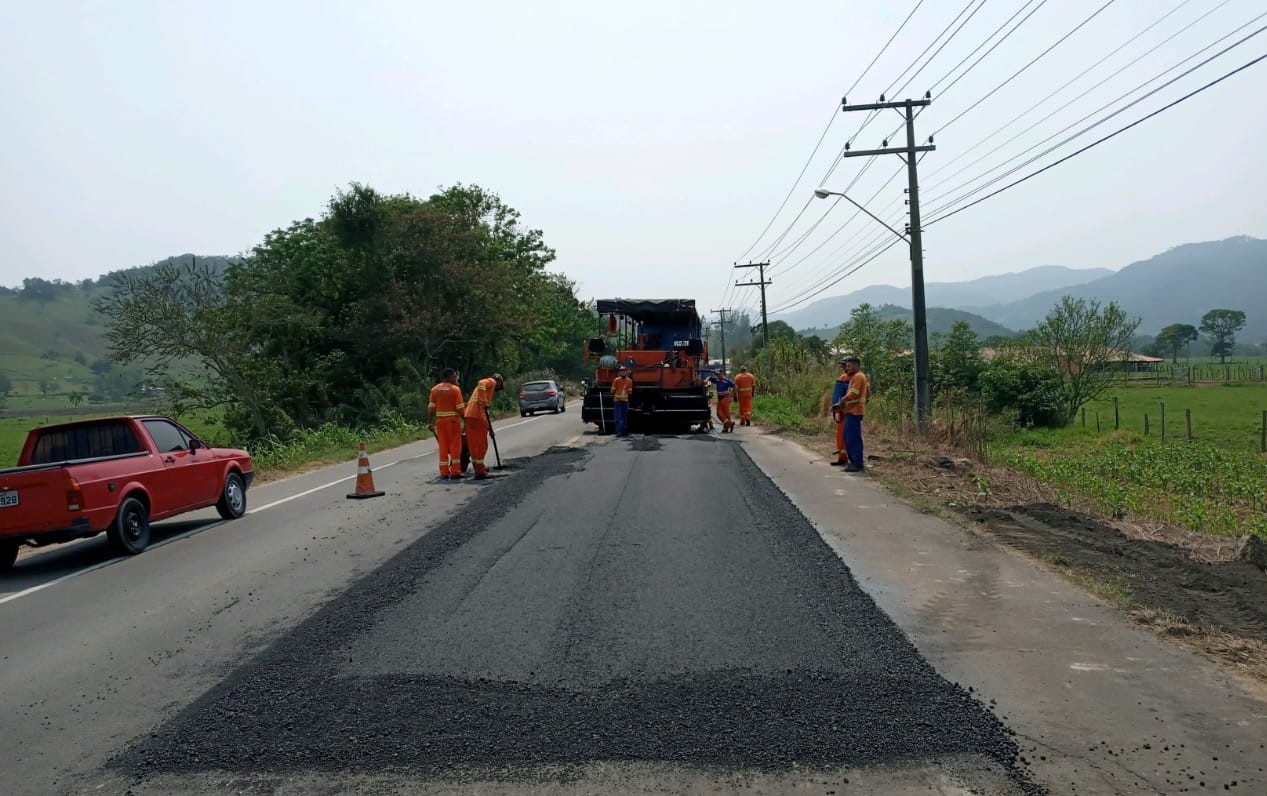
{"x":1196,"y":374}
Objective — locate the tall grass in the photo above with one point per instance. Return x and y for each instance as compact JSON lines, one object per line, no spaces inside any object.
{"x":331,"y":442}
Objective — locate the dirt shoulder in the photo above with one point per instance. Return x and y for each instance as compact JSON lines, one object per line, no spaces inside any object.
{"x":1188,"y":587}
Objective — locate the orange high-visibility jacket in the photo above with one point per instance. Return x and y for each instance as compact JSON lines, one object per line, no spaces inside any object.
{"x":744,"y":382}
{"x":446,"y":400}
{"x":481,"y":397}
{"x":622,"y":386}
{"x":859,"y":391}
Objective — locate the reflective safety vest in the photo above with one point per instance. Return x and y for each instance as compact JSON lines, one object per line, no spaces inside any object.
{"x":446,"y":400}
{"x":481,"y":397}
{"x":621,"y":387}
{"x":744,"y":382}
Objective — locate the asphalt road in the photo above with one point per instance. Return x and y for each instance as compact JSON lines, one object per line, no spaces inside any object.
{"x":608,"y":615}
{"x":655,"y":615}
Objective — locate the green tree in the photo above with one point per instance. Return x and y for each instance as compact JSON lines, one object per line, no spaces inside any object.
{"x":779,"y":330}
{"x":6,"y":384}
{"x":172,"y":315}
{"x":957,"y":362}
{"x":1174,"y":337}
{"x":1033,"y":391}
{"x":1222,"y":325}
{"x":1084,"y":344}
{"x":882,"y":345}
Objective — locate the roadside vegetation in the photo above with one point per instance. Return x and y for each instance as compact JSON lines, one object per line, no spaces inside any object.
{"x":1059,"y":404}
{"x":330,"y":331}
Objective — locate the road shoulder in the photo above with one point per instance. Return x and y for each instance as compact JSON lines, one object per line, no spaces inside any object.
{"x":1092,"y":697}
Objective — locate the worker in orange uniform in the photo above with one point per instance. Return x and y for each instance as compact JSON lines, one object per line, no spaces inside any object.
{"x":745,"y":384}
{"x":622,"y":388}
{"x":477,"y":420}
{"x":853,"y":405}
{"x":725,"y":390}
{"x":444,"y":419}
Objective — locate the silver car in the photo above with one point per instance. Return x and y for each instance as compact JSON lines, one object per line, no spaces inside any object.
{"x":541,"y":396}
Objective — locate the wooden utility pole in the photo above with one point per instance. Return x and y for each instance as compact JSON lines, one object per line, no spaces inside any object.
{"x":765,"y":323}
{"x":721,"y":324}
{"x":923,"y":390}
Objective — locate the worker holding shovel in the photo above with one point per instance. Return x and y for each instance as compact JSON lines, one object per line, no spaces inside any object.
{"x":479,"y":421}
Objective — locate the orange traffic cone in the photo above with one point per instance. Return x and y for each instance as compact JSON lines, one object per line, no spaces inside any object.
{"x":364,"y":477}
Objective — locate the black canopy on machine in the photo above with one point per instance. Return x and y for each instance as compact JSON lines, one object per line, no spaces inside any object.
{"x":669,"y":312}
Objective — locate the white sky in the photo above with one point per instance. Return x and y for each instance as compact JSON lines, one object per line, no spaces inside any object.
{"x":651,"y":142}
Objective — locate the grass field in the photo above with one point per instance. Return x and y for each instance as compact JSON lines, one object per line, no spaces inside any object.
{"x":1214,"y":483}
{"x":1227,"y":416}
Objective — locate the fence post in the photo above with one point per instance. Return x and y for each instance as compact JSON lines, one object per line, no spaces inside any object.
{"x":1188,"y":414}
{"x":1163,"y":422}
{"x":1097,"y":421}
{"x":1145,"y":424}
{"x":1084,"y":417}
{"x":1117,"y":419}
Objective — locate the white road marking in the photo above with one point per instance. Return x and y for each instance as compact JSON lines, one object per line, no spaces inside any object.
{"x":200,"y":529}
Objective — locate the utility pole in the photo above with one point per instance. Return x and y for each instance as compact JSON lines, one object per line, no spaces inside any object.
{"x":923,"y":391}
{"x":761,"y":280}
{"x":721,"y":324}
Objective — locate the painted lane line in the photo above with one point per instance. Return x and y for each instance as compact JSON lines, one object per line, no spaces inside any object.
{"x":200,"y":529}
{"x":56,"y":581}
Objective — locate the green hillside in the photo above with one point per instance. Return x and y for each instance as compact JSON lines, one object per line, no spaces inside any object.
{"x":940,"y":319}
{"x":51,"y":346}
{"x":50,"y":340}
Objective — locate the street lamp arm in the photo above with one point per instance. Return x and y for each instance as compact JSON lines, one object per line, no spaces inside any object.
{"x":822,"y":193}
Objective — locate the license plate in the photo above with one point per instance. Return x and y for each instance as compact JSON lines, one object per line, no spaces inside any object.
{"x":8,"y":499}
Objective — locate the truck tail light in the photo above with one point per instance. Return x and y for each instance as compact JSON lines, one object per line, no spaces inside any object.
{"x":551,"y":393}
{"x":74,"y":494}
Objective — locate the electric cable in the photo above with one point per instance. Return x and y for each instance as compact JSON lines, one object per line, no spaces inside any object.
{"x":1097,"y":142}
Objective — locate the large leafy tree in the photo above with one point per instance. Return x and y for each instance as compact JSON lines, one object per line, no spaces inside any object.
{"x":1222,"y":325}
{"x":1174,"y":337}
{"x":346,"y":317}
{"x":882,"y":345}
{"x":178,"y":322}
{"x":1084,"y":343}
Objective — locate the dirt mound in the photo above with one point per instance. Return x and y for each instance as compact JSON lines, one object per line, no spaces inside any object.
{"x":1229,"y":595}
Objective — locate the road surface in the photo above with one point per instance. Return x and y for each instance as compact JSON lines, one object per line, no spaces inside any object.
{"x":706,"y":614}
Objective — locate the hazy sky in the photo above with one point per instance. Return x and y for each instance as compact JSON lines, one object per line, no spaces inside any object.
{"x":651,"y":142}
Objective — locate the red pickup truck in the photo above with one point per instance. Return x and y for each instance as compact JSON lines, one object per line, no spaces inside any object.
{"x":114,"y":475}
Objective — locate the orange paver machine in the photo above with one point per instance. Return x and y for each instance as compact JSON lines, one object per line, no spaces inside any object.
{"x":659,"y":341}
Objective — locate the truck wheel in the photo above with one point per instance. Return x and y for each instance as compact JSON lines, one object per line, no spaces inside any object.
{"x":8,"y":554}
{"x":130,"y":532}
{"x":232,"y":502}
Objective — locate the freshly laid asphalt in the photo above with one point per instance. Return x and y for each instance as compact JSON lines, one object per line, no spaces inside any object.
{"x":655,"y":599}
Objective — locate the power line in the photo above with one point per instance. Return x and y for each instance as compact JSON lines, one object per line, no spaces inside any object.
{"x":1102,"y":120}
{"x":1019,"y":11}
{"x":1075,"y":79}
{"x":1018,"y":72}
{"x":1096,"y":143}
{"x":830,"y":121}
{"x":1080,"y":96}
{"x":868,"y":255}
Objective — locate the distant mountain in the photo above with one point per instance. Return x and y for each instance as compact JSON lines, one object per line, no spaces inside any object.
{"x":940,"y":319}
{"x":982,"y":292}
{"x":1177,"y":286}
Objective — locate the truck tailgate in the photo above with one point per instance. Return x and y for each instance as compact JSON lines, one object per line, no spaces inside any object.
{"x":32,"y":500}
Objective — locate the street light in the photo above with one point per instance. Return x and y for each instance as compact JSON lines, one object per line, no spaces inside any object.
{"x":923,"y":402}
{"x":823,"y":193}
